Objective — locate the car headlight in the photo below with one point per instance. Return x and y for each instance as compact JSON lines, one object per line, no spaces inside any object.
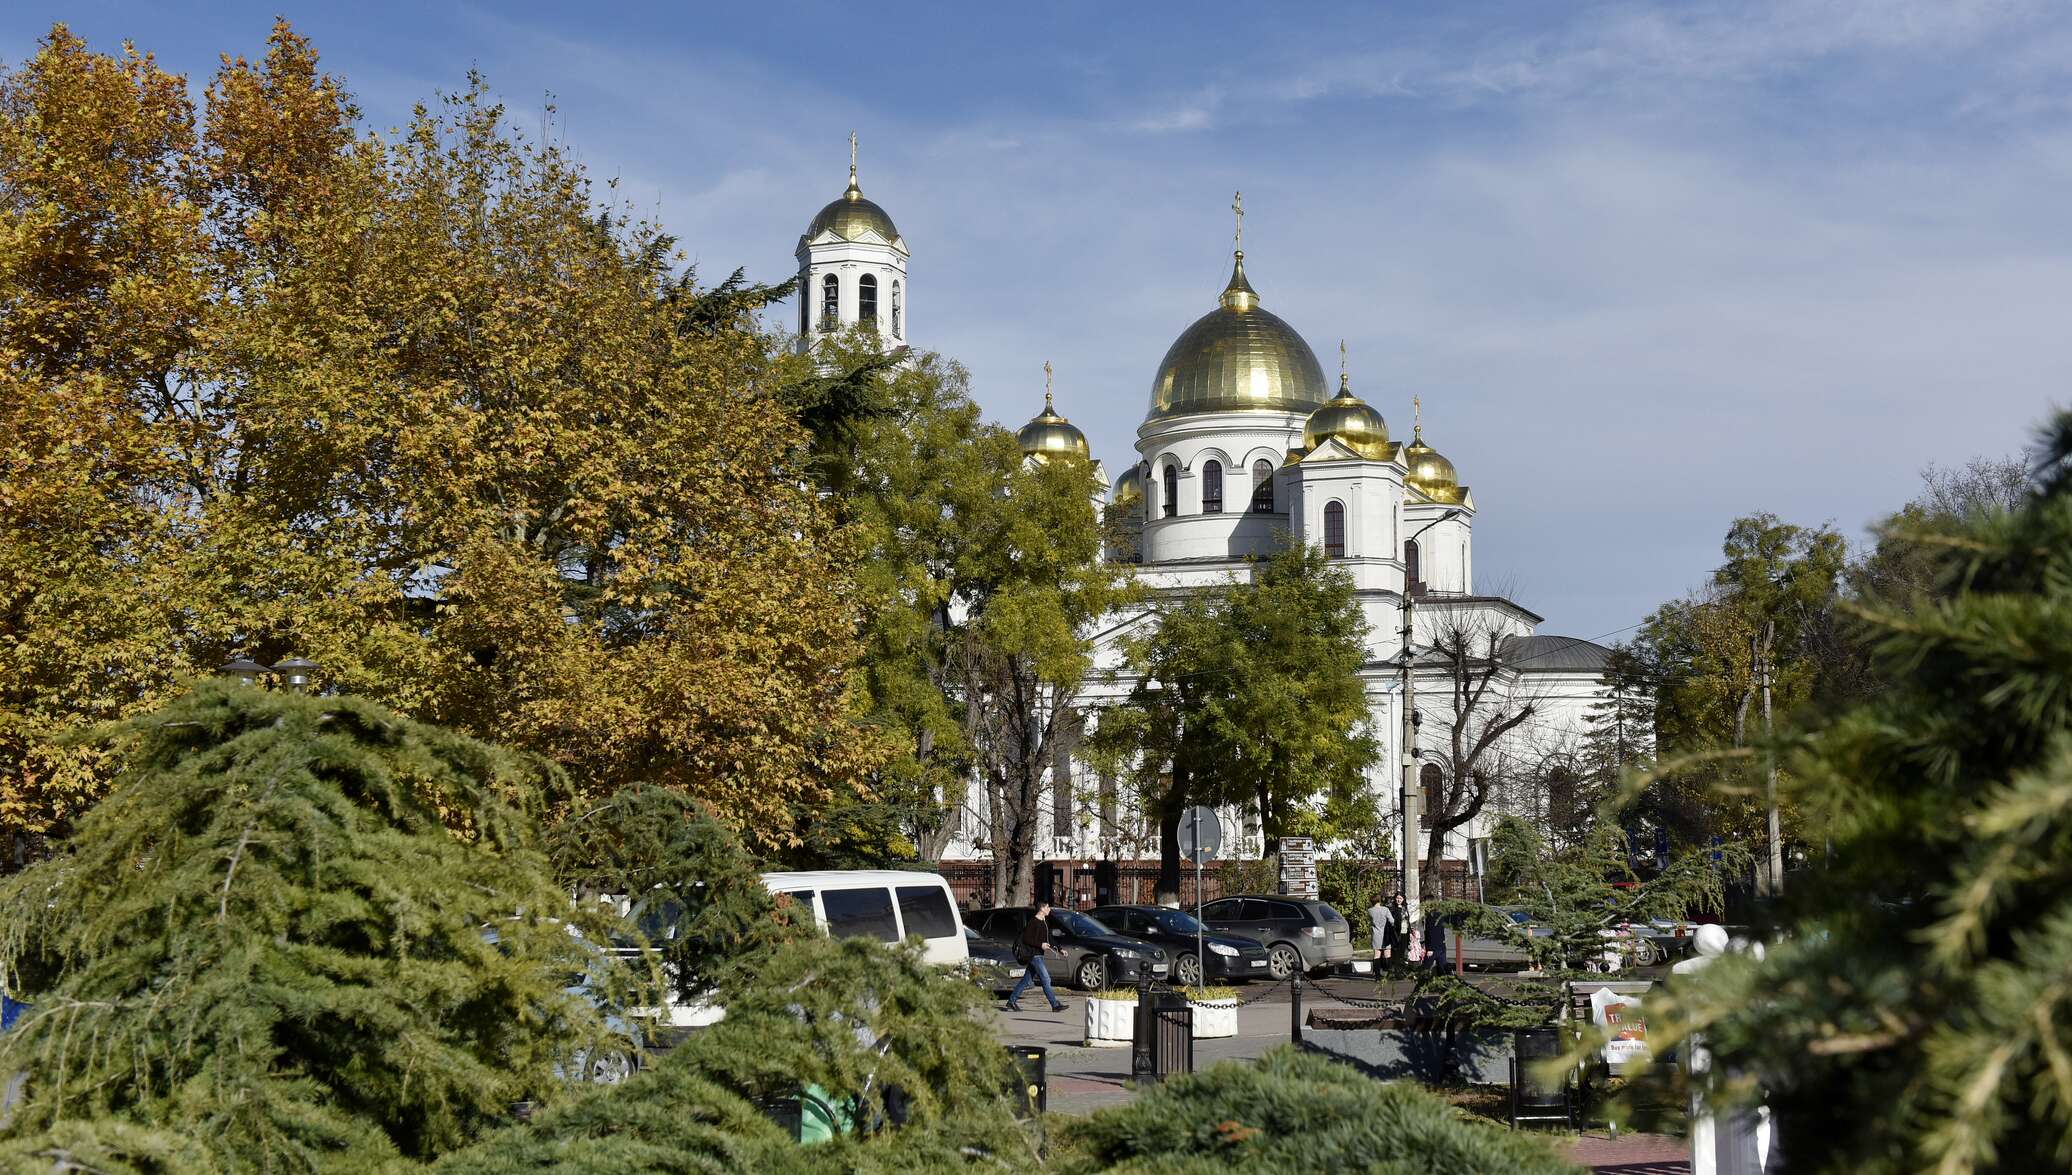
{"x":1226,"y":951}
{"x":1126,"y":953}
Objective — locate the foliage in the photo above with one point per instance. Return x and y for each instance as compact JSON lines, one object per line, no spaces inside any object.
{"x":1915,"y":1017}
{"x":1460,"y":1004}
{"x":106,"y":1146}
{"x":980,"y":575}
{"x":1250,"y":696}
{"x":1294,"y":1111}
{"x":271,"y":936}
{"x":854,"y":1019}
{"x":1773,"y":602}
{"x":694,"y":893}
{"x":1618,"y":740}
{"x":415,"y":407}
{"x":1579,"y":891}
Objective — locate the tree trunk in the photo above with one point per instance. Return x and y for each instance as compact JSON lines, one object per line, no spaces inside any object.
{"x":1170,"y":808}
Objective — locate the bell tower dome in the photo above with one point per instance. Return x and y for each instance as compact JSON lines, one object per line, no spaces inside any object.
{"x":852,"y":269}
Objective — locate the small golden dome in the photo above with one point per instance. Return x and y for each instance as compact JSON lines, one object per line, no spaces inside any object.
{"x":851,"y":214}
{"x":1237,"y":358}
{"x":1430,"y":474}
{"x":1351,"y":420}
{"x":1129,"y":488}
{"x":1050,"y":435}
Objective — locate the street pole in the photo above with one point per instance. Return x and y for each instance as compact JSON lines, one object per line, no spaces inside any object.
{"x":1411,"y":795}
{"x":1201,"y":959}
{"x":1770,"y":767}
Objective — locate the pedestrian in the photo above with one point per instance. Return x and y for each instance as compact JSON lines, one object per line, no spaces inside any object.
{"x":1435,"y":941}
{"x":1379,"y":916}
{"x":1398,"y":941}
{"x":1029,"y":951}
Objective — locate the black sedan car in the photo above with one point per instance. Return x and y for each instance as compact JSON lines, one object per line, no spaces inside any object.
{"x":1231,"y":958}
{"x":1094,"y":956}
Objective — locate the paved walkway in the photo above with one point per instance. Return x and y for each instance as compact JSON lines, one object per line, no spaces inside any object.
{"x":1083,"y":1080}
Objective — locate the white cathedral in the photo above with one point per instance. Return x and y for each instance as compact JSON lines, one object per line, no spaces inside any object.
{"x":1244,"y":446}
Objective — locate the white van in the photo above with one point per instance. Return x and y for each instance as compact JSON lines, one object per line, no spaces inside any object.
{"x":890,"y":905}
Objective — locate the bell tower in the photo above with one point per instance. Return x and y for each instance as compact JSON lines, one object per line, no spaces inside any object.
{"x":852,"y":269}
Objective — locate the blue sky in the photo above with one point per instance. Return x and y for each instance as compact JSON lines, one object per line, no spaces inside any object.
{"x":1649,"y":266}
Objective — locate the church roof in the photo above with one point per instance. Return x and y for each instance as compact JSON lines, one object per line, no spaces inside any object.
{"x":1555,"y":654}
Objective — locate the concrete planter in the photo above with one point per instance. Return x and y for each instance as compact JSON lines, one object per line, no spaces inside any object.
{"x":1214,"y":1018}
{"x":1110,"y":1023}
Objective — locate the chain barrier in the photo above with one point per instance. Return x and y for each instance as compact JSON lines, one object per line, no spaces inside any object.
{"x":1232,"y":1002}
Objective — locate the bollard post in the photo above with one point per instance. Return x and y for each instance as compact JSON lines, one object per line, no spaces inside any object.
{"x":1295,"y":1007}
{"x":1143,"y":1058}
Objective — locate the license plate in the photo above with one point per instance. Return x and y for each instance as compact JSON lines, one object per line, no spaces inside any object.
{"x":1158,"y":968}
{"x":1259,"y":962}
{"x":1016,"y":972}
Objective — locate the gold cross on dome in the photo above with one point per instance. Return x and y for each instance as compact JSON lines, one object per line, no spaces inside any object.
{"x":1046,"y":386}
{"x":1341,"y":363}
{"x":1417,"y":417}
{"x":852,"y":154}
{"x":1237,"y":205}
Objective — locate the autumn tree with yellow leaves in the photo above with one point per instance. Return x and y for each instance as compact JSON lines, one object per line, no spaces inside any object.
{"x":422,"y":407}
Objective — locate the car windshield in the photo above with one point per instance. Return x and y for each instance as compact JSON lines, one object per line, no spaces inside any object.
{"x":1073,"y":922}
{"x":1178,"y":922}
{"x":1521,"y":916}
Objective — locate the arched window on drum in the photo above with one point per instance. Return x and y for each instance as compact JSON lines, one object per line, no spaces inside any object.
{"x":1334,"y":529}
{"x":1262,"y":486}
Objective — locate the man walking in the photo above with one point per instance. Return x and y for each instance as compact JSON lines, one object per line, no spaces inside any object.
{"x":1028,"y":951}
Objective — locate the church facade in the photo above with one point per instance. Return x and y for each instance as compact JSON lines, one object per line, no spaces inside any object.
{"x":1244,"y":447}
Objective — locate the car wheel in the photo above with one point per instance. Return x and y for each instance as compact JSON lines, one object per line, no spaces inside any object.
{"x":608,"y":1068}
{"x":1646,"y":954}
{"x":1282,"y":961}
{"x":1187,"y":971}
{"x":1092,"y":973}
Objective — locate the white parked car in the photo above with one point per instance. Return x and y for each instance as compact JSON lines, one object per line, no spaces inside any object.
{"x":890,"y":905}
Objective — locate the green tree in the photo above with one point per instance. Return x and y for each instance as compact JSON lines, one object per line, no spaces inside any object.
{"x":1766,"y":615}
{"x":849,"y":1020}
{"x":1580,"y":890}
{"x":1249,"y":695}
{"x":270,"y":937}
{"x":1914,"y":1015}
{"x":694,"y":893}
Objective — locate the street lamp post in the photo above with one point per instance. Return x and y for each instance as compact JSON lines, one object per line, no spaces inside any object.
{"x":296,"y":674}
{"x":242,"y":670}
{"x":1411,"y":888}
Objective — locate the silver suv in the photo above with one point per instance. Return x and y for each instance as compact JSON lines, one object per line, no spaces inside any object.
{"x":1296,"y":932}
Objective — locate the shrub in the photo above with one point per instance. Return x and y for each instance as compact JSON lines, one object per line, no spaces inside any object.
{"x":1294,"y":1111}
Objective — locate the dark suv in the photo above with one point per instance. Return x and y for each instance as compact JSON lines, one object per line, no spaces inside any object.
{"x":1230,"y":958}
{"x":1094,"y":955}
{"x":1295,"y":931}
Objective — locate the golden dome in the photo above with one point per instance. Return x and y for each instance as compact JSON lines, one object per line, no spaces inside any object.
{"x":1430,"y":474}
{"x":848,"y":216}
{"x":1237,"y":358}
{"x":1351,"y":420}
{"x":1129,"y":488}
{"x":1050,"y":435}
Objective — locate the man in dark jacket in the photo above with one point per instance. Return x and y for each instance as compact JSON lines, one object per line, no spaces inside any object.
{"x":1028,"y":951}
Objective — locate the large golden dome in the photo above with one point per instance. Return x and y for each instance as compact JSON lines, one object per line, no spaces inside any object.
{"x":1237,"y":358}
{"x":1352,"y":421}
{"x":849,"y":215}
